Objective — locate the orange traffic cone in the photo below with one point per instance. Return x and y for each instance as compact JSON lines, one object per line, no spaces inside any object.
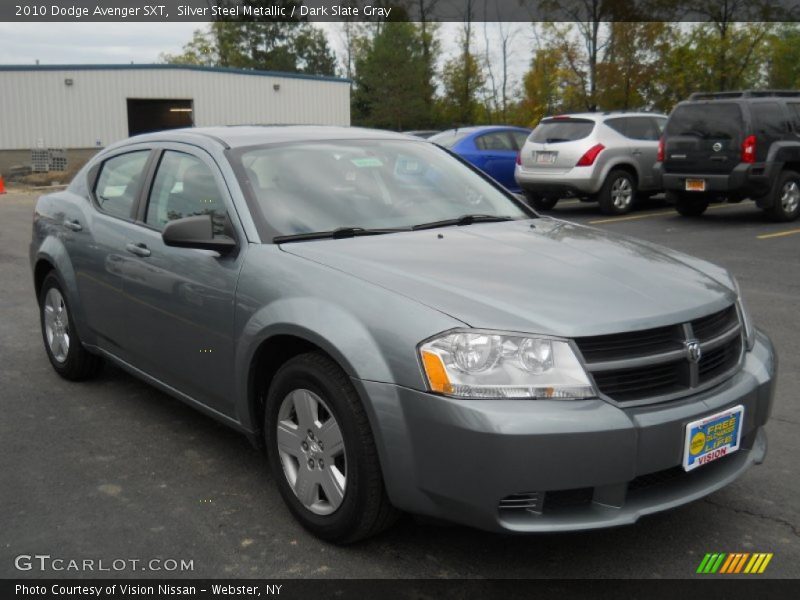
{"x":2,"y":185}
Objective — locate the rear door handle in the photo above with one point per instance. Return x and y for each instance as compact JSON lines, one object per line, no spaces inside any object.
{"x":637,"y":152}
{"x":138,"y":249}
{"x":74,"y":225}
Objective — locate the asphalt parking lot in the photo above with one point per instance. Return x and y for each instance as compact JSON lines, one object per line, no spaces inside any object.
{"x":115,"y":469}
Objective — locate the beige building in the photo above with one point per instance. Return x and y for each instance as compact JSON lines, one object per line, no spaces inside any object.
{"x":82,"y":108}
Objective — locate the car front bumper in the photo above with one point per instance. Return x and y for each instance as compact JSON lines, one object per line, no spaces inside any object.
{"x":577,"y":464}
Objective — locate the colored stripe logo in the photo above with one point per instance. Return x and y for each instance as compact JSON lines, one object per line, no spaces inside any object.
{"x":734,"y":562}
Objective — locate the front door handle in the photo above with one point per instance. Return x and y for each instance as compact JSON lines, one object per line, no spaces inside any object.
{"x":138,"y":249}
{"x":73,"y":224}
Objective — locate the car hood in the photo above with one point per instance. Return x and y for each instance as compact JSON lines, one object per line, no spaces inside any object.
{"x":539,"y":276}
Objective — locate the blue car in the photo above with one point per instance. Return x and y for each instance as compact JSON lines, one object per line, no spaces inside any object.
{"x":491,"y":148}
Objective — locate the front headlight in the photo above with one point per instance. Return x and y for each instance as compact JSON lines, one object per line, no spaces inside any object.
{"x":747,"y":322}
{"x":486,"y":364}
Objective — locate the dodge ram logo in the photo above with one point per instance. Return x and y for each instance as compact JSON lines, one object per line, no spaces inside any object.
{"x":693,"y":351}
{"x":717,"y":147}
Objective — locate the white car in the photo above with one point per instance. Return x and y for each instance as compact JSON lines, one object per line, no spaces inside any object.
{"x":604,"y":157}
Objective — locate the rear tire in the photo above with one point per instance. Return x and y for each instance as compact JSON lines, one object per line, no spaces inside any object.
{"x":688,"y":206}
{"x":341,"y":498}
{"x":785,"y":205}
{"x":539,"y":202}
{"x":618,"y":193}
{"x":61,"y":341}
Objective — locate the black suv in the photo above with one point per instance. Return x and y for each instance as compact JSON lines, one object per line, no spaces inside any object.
{"x":733,"y":145}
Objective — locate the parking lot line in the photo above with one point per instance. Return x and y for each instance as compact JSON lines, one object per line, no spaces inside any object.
{"x":767,"y":236}
{"x":653,"y":214}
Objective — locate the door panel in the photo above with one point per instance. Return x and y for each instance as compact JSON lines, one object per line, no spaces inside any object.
{"x":97,"y":261}
{"x":643,"y":133}
{"x":181,"y":300}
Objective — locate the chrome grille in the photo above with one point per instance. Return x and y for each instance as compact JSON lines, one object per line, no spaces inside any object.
{"x":656,"y":365}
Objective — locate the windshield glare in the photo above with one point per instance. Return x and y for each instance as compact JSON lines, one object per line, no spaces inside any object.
{"x":322,"y":186}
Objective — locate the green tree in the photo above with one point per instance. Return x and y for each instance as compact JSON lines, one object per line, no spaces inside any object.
{"x":261,"y":43}
{"x":783,"y":57}
{"x":392,"y":81}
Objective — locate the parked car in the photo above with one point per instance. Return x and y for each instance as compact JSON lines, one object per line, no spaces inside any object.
{"x":400,"y":332}
{"x":493,"y":149}
{"x":734,"y":145}
{"x":604,"y":157}
{"x":422,"y":133}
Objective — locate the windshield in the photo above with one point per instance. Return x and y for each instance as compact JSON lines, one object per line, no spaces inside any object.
{"x":717,"y":120}
{"x":371,"y":184}
{"x":553,"y":131}
{"x":449,"y":138}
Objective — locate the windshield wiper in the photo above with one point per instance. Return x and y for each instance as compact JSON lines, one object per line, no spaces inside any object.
{"x":462,"y":220}
{"x":335,"y":234}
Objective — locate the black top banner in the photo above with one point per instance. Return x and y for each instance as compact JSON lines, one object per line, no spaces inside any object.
{"x":400,"y":10}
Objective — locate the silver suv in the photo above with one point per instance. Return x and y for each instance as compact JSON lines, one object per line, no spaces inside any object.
{"x":603,"y":157}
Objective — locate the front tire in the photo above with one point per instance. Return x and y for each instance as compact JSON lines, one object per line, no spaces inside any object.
{"x":785,"y":204}
{"x":61,"y":342}
{"x":618,"y":193}
{"x":688,"y":205}
{"x":322,"y":452}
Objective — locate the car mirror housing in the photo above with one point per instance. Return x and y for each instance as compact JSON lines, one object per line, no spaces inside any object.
{"x":196,"y":232}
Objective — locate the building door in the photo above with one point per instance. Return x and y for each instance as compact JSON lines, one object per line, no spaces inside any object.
{"x":146,"y":115}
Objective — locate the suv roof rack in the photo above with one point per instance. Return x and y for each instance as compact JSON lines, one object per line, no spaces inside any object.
{"x":745,"y":94}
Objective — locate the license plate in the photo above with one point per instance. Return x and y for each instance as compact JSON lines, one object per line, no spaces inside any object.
{"x":695,"y":185}
{"x":545,"y":158}
{"x":713,"y":437}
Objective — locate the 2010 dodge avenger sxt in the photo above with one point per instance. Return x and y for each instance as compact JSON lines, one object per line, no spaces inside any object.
{"x":402,"y":333}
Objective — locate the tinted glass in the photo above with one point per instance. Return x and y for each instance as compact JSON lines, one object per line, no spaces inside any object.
{"x":497,"y":140}
{"x":618,"y":124}
{"x":552,"y":131}
{"x":519,"y":138}
{"x":717,"y":120}
{"x":642,"y":128}
{"x":794,"y":110}
{"x":184,"y":186}
{"x":321,"y":186}
{"x":119,"y":183}
{"x":769,"y":119}
{"x":449,"y":138}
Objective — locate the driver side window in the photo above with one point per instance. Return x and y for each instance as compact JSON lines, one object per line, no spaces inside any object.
{"x":184,"y":186}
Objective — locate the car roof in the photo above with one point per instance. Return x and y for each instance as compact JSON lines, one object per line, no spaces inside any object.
{"x":485,"y":128}
{"x":599,"y":116}
{"x":236,"y":136}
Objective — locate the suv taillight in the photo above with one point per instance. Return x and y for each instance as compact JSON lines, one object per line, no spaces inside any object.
{"x":749,"y":149}
{"x":660,"y":157}
{"x":587,"y":160}
{"x":519,"y":158}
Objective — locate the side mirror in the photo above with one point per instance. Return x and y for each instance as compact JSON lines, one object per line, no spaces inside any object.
{"x":196,"y":232}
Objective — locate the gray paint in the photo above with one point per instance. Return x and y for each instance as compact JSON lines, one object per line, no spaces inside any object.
{"x":370,"y":301}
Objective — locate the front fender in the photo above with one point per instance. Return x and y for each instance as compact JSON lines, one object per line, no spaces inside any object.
{"x":328,"y":326}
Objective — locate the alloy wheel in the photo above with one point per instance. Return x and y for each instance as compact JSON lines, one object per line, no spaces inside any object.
{"x":56,"y":324}
{"x":312,"y":451}
{"x":790,"y":197}
{"x":622,"y":192}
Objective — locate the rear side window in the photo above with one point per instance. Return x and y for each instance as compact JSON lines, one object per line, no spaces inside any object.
{"x":794,"y":110}
{"x":119,"y":182}
{"x":553,"y":131}
{"x":449,"y":138}
{"x":643,"y":128}
{"x":498,"y":140}
{"x":714,"y":120}
{"x":619,"y":125}
{"x":769,"y":119}
{"x":519,"y":138}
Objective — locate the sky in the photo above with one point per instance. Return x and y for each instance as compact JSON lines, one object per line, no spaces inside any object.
{"x":116,"y":43}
